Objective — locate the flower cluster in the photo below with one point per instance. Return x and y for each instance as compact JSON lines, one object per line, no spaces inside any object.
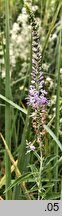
{"x":37,"y":94}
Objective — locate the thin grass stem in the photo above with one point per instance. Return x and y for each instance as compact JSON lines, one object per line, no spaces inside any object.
{"x":7,"y":107}
{"x":57,"y":104}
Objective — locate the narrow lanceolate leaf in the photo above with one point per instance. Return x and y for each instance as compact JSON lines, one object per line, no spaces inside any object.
{"x":19,"y":180}
{"x":13,"y":104}
{"x":53,"y":136}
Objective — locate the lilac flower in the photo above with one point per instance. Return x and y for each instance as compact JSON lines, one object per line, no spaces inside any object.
{"x":43,"y":100}
{"x":30,"y":147}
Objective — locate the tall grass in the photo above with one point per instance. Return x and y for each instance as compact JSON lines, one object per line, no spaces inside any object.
{"x":7,"y":107}
{"x":23,"y":160}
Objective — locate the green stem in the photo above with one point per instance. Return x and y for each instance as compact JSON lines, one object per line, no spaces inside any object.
{"x":57,"y":104}
{"x":41,"y":162}
{"x":40,"y":171}
{"x":7,"y":107}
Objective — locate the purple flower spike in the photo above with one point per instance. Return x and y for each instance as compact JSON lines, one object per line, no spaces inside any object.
{"x":37,"y":94}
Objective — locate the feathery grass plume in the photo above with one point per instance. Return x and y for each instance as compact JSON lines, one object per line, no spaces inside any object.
{"x":37,"y":94}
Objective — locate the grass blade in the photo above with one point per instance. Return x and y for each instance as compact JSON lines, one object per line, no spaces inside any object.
{"x":7,"y":107}
{"x":13,"y":104}
{"x":57,"y":103}
{"x":53,"y":136}
{"x":50,"y":29}
{"x":19,"y":180}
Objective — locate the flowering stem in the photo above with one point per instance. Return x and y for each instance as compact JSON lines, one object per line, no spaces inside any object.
{"x":37,"y":95}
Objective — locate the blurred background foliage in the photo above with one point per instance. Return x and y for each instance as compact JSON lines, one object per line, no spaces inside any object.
{"x":20,"y":42}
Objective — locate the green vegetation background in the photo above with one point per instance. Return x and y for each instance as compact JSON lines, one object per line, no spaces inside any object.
{"x":48,"y":14}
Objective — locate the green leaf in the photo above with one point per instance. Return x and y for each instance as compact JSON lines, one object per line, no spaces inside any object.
{"x":53,"y":196}
{"x":53,"y":136}
{"x":19,"y":180}
{"x":13,"y":104}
